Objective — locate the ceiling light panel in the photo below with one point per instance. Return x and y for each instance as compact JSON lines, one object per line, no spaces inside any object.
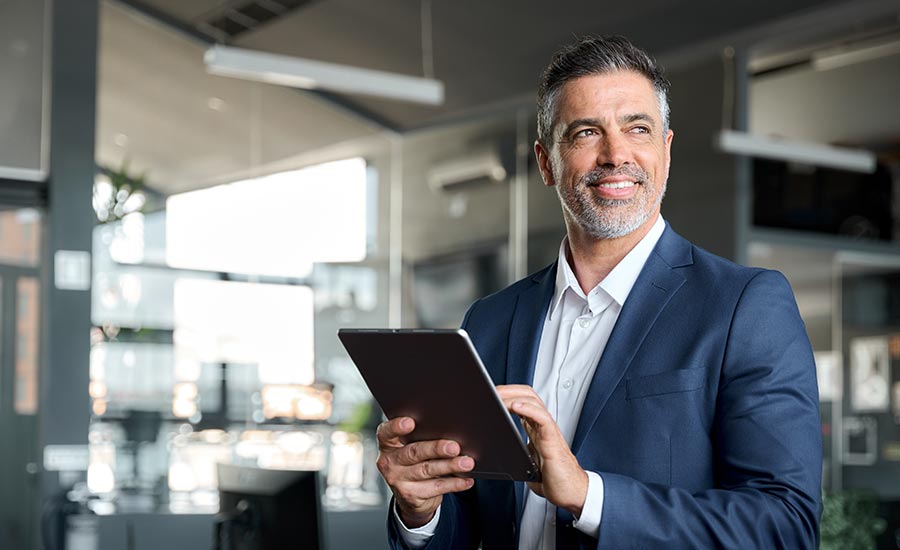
{"x":304,"y":73}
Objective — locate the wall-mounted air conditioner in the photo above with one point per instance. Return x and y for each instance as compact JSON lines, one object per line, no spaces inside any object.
{"x":484,"y":166}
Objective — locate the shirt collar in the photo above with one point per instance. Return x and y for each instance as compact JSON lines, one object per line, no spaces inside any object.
{"x":620,"y":280}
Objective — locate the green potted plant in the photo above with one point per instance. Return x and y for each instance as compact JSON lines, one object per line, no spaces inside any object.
{"x":850,"y":521}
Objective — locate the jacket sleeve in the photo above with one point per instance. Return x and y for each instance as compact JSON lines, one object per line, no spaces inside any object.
{"x":456,"y":529}
{"x":766,"y":438}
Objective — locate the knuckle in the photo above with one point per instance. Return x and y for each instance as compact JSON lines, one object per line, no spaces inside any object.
{"x":425,"y":470}
{"x":440,"y":485}
{"x":414,"y":452}
{"x":383,"y":464}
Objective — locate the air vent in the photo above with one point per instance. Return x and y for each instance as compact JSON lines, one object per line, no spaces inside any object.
{"x":237,"y":17}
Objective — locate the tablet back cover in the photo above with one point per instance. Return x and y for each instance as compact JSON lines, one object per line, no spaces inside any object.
{"x":436,"y":377}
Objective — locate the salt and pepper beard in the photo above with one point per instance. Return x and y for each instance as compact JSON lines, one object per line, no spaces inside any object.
{"x":610,"y":218}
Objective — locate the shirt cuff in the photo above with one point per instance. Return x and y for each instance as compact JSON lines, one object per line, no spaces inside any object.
{"x":419,"y":536}
{"x":589,"y":522}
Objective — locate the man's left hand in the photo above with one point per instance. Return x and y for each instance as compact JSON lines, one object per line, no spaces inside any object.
{"x":563,"y":481}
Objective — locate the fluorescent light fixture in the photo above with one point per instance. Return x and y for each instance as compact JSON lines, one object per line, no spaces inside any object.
{"x":309,"y":74}
{"x":803,"y":152}
{"x":22,"y":174}
{"x":842,"y":57}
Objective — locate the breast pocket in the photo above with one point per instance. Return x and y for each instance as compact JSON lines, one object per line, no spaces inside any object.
{"x":675,"y":381}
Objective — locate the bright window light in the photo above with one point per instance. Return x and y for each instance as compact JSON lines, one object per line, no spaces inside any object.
{"x":270,"y":326}
{"x":276,"y":225}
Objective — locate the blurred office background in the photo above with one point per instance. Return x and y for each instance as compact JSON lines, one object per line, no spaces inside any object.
{"x":178,"y":248}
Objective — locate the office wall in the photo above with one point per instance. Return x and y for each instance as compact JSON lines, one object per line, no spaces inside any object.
{"x":701,"y":199}
{"x":853,"y":105}
{"x":22,"y":55}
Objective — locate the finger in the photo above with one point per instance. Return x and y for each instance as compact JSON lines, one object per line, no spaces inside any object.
{"x":390,"y":432}
{"x":536,"y":414}
{"x":446,"y":485}
{"x":431,"y":469}
{"x":420,"y":491}
{"x":421,"y":451}
{"x":510,"y":401}
{"x":517,"y":390}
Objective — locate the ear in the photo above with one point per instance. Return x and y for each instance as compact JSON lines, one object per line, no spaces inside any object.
{"x":668,"y":148}
{"x":543,"y":160}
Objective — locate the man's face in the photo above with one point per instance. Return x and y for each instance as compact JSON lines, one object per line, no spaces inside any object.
{"x":609,"y":159}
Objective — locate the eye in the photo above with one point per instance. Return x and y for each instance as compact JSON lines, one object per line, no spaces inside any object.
{"x":639,"y":130}
{"x":585,"y":132}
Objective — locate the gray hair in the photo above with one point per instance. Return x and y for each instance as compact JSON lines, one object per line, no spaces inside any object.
{"x":594,"y":55}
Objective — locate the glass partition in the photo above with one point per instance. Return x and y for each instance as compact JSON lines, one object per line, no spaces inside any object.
{"x":849,"y":302}
{"x":215,"y":339}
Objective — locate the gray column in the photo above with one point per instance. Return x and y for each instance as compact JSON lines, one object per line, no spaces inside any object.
{"x":64,"y":401}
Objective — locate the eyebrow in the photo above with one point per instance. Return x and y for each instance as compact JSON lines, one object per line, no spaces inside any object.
{"x":626,"y":119}
{"x":639,"y":117}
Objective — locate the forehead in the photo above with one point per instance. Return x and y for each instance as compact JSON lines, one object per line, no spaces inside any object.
{"x":605,"y":95}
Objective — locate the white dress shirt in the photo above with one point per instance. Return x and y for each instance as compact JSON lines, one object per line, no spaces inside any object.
{"x":574,"y":336}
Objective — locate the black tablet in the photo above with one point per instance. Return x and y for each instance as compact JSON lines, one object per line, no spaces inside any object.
{"x":437,"y":378}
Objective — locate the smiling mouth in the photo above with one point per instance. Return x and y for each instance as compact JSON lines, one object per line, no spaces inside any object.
{"x":612,"y":179}
{"x":615,"y":185}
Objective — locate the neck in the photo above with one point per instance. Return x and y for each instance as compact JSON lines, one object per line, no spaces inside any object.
{"x":593,"y":259}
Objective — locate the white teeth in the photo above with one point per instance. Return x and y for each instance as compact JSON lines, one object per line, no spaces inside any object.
{"x":617,"y":185}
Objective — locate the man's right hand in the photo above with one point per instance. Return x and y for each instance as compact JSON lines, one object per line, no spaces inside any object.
{"x":419,"y":474}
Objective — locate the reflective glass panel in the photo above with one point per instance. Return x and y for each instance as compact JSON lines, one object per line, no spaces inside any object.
{"x":20,"y":237}
{"x":27,"y":325}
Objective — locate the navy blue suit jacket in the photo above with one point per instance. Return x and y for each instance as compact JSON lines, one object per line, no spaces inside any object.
{"x":702,"y":417}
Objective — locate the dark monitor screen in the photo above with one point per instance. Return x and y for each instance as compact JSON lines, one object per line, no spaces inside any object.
{"x":263,"y":509}
{"x":823,"y":200}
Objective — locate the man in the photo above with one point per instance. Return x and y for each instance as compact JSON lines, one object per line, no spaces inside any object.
{"x":669,"y":394}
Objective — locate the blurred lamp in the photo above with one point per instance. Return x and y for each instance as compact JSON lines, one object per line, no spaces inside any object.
{"x":296,"y":401}
{"x":309,"y":74}
{"x":801,"y":152}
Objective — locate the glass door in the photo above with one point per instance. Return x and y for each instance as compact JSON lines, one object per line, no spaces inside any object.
{"x":20,"y":305}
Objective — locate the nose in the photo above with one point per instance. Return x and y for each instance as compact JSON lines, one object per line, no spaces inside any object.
{"x":613,"y":150}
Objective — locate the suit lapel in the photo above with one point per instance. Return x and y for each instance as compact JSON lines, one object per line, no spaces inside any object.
{"x":527,"y":324}
{"x":654,"y":287}
{"x":524,"y":340}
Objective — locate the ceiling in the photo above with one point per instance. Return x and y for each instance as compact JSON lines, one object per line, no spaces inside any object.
{"x":489,"y":54}
{"x":485,"y":52}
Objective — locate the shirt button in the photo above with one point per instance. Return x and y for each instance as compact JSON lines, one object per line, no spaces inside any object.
{"x":584,"y":323}
{"x":567,"y":384}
